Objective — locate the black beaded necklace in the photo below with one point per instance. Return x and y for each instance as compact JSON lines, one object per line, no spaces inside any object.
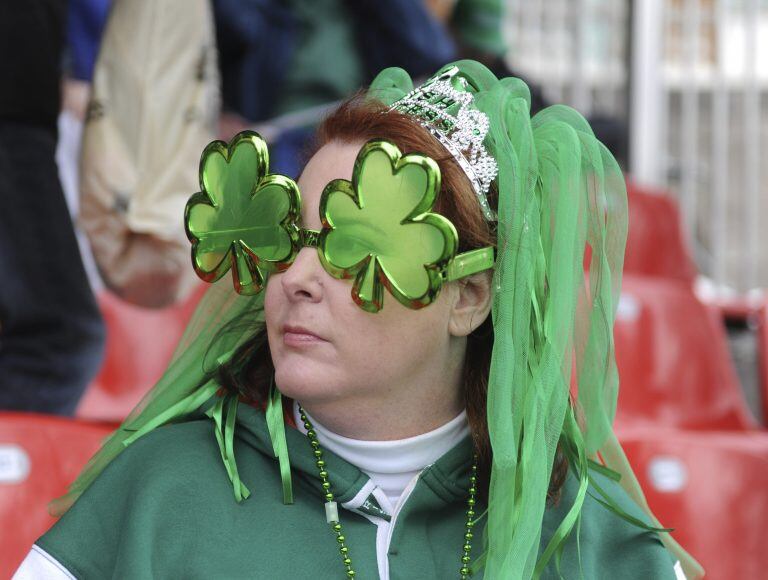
{"x":332,"y":510}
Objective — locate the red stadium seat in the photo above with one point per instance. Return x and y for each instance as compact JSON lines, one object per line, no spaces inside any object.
{"x":674,"y":365}
{"x":656,"y":242}
{"x":40,"y":456}
{"x":712,"y":488}
{"x":762,"y":345}
{"x":140,"y":343}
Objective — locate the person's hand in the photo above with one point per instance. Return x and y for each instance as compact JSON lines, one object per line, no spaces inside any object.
{"x":230,"y":124}
{"x":74,"y":97}
{"x":441,"y":9}
{"x":154,"y":273}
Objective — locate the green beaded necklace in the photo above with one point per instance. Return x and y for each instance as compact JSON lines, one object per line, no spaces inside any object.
{"x":332,"y":510}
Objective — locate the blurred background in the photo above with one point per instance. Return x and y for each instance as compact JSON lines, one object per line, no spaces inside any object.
{"x":106,"y":105}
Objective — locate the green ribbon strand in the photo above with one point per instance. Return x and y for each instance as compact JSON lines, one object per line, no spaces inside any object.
{"x":611,"y":505}
{"x":182,"y":408}
{"x":276,"y":427}
{"x":603,"y":470}
{"x":573,"y":447}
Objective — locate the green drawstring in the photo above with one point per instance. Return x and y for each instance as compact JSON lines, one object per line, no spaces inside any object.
{"x":226,"y":440}
{"x":225,"y":437}
{"x":276,"y":426}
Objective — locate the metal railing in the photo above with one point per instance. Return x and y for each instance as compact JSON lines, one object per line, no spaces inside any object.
{"x":698,"y":75}
{"x":711,"y":94}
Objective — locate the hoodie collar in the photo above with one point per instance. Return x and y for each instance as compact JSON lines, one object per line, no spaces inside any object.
{"x":447,"y":477}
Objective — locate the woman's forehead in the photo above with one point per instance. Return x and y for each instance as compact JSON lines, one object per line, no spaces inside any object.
{"x":334,"y":160}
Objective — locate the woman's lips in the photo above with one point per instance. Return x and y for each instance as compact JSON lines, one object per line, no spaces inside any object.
{"x":298,"y":336}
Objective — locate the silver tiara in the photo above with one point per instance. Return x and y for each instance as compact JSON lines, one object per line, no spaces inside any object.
{"x":450,"y":115}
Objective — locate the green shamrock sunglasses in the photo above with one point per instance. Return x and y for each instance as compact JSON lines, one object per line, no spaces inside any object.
{"x":377,"y":229}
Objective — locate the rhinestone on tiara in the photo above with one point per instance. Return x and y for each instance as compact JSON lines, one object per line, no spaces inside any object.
{"x":450,"y":115}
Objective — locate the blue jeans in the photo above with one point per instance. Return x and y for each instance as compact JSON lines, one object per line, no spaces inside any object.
{"x":51,"y":331}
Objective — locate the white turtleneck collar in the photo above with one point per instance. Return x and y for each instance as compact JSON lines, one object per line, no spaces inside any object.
{"x":391,"y":464}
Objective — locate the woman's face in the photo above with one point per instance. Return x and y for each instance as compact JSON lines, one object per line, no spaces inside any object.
{"x":327,"y":350}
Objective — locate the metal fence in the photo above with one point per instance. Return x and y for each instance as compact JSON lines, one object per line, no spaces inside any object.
{"x":574,"y":49}
{"x":693,"y":83}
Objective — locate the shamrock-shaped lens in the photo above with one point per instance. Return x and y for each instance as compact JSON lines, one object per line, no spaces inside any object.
{"x":243,"y":218}
{"x":378,"y":228}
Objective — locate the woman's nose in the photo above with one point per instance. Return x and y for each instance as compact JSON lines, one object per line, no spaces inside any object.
{"x":303,"y":279}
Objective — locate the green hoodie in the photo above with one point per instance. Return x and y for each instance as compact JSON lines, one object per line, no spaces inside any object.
{"x":165,"y":508}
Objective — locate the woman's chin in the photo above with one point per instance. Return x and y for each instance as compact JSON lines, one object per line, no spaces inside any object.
{"x":307,"y":387}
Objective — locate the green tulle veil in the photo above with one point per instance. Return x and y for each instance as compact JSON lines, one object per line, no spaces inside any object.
{"x":562,"y":224}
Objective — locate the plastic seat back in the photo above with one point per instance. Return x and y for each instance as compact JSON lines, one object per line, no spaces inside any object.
{"x":140,"y":343}
{"x":40,"y":456}
{"x":656,"y":242}
{"x":762,"y":346}
{"x":674,"y":364}
{"x":712,"y":488}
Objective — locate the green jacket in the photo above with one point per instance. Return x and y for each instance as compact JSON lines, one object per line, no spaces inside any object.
{"x":165,"y":508}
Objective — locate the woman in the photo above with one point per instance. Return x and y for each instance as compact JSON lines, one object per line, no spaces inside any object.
{"x":411,"y":309}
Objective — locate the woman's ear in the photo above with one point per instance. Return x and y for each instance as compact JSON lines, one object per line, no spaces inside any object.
{"x":472,"y":305}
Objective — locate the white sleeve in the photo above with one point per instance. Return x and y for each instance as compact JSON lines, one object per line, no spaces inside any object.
{"x":40,"y":565}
